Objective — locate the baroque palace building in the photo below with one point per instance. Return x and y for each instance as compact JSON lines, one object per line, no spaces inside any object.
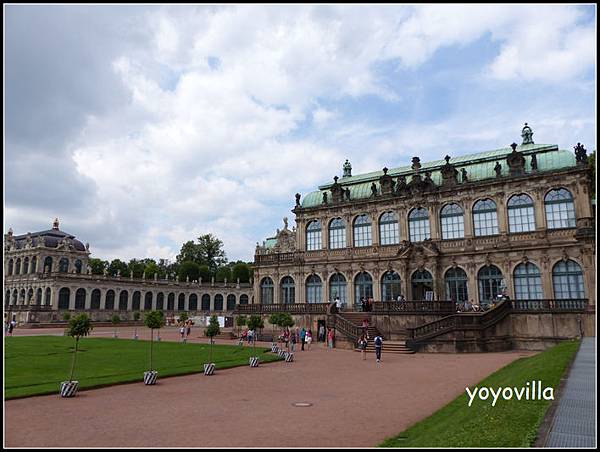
{"x":47,"y":272}
{"x":518,"y":220}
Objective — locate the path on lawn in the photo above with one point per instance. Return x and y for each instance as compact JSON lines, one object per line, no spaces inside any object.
{"x":355,"y":403}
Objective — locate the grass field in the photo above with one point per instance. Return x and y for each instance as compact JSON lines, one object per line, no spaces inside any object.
{"x":37,"y":365}
{"x":510,"y":423}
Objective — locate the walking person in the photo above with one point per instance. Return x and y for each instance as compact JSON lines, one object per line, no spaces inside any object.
{"x":378,"y":342}
{"x":308,"y":339}
{"x":321,"y":333}
{"x":365,"y":327}
{"x":182,"y":333}
{"x":189,"y":328}
{"x":293,"y":342}
{"x":362,"y":344}
{"x":303,"y":337}
{"x":11,"y":327}
{"x":330,"y":337}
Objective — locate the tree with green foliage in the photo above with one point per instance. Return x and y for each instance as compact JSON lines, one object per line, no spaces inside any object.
{"x":118,"y":267}
{"x":115,"y":320}
{"x":168,"y":268}
{"x":151,"y":269}
{"x":255,"y":322}
{"x":183,"y":317}
{"x":97,"y":266}
{"x":240,"y":321}
{"x":154,"y":320}
{"x":136,"y":315}
{"x":136,"y":267}
{"x":212,"y":330}
{"x":67,"y":316}
{"x":208,"y":251}
{"x":274,"y":320}
{"x":79,"y":326}
{"x":204,"y":273}
{"x":189,"y":269}
{"x":240,"y":271}
{"x":223,"y":273}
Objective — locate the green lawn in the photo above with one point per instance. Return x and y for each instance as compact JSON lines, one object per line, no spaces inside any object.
{"x":37,"y":365}
{"x":510,"y":423}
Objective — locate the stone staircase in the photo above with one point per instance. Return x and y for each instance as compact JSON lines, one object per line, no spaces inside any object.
{"x":396,"y":347}
{"x":357,"y":318}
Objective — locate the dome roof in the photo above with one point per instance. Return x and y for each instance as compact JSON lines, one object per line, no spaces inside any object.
{"x":52,"y":238}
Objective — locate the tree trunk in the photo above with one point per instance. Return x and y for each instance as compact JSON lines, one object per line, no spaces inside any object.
{"x":151,"y":338}
{"x":73,"y":362}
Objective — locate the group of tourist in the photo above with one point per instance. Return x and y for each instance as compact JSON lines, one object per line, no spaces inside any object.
{"x":9,"y":326}
{"x":298,"y":336}
{"x":185,"y":330}
{"x":377,"y":342}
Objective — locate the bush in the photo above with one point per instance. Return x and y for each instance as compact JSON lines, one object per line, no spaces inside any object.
{"x":66,"y":316}
{"x":136,"y":315}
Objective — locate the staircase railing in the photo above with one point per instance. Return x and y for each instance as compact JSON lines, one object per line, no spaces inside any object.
{"x":349,"y":329}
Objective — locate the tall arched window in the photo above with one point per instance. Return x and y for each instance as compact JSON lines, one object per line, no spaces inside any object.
{"x":33,"y":264}
{"x":80,"y":299}
{"x":30,"y":296}
{"x":314,"y":289}
{"x":521,"y":217}
{"x":422,"y":284}
{"x":95,"y":299}
{"x":456,"y":285}
{"x":26,"y":266}
{"x":266,"y":291}
{"x":391,"y":286}
{"x":337,"y":234}
{"x":10,"y":267}
{"x":63,"y":265}
{"x":362,"y":231}
{"x":22,"y":297}
{"x":337,"y":288}
{"x":160,"y":301}
{"x":181,"y":302}
{"x":123,"y":299}
{"x":363,"y":287}
{"x":388,"y":229}
{"x":48,"y":265}
{"x":485,"y":217}
{"x":560,"y":210}
{"x":136,"y":300}
{"x":418,"y":225}
{"x":15,"y":296}
{"x":63,"y":298}
{"x":148,"y":301}
{"x":18,"y":267}
{"x":193,"y":302}
{"x":48,"y":297}
{"x":171,"y":302}
{"x":453,"y":222}
{"x":206,"y":302}
{"x":78,"y":266}
{"x":490,"y":282}
{"x":528,"y":282}
{"x":218,"y":302}
{"x":7,"y":299}
{"x":38,"y":297}
{"x":244,"y":299}
{"x":230,"y":302}
{"x":567,"y":279}
{"x":313,"y":236}
{"x":288,"y":290}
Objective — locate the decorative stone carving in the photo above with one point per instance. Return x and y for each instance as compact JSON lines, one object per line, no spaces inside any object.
{"x":527,"y":135}
{"x":416,"y":164}
{"x":386,"y":183}
{"x":498,"y":169}
{"x":347,"y":169}
{"x":401,"y":186}
{"x":347,"y":194}
{"x":428,"y":184}
{"x":580,"y":154}
{"x":463,"y":173}
{"x":297,"y":199}
{"x":534,"y":164}
{"x":373,"y":189}
{"x":337,"y":192}
{"x":324,"y":197}
{"x":516,"y":162}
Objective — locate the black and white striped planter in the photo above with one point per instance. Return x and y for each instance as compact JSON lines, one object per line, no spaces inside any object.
{"x":281,"y":353}
{"x":289,"y":357}
{"x":150,"y":377}
{"x":209,"y":369}
{"x":274,"y":348}
{"x":254,"y":361}
{"x":69,"y":388}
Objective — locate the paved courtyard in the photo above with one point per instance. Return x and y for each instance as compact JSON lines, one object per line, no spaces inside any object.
{"x":354,"y":402}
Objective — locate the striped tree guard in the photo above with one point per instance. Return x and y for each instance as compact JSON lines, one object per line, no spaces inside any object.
{"x":281,"y":353}
{"x":209,"y":369}
{"x":274,"y":348}
{"x":150,"y":377}
{"x":241,"y":342}
{"x":69,"y":388}
{"x":289,"y":357}
{"x":254,"y":361}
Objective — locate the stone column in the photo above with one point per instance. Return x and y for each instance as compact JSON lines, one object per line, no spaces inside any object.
{"x":72,"y":292}
{"x":375,"y":228}
{"x":434,"y":226}
{"x":324,"y":234}
{"x":468,"y":220}
{"x":103,"y":299}
{"x":403,"y":224}
{"x":349,"y":234}
{"x":538,"y":209}
{"x":88,"y":298}
{"x":502,"y":217}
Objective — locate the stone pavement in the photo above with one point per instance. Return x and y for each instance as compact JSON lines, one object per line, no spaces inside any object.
{"x":574,"y":423}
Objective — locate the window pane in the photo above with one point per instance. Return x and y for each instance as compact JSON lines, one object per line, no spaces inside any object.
{"x":337,"y":234}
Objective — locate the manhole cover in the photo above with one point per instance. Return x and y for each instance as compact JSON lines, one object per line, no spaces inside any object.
{"x":302,"y":404}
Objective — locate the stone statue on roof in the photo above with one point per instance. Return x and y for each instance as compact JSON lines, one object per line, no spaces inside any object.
{"x":373,"y":189}
{"x":285,"y":223}
{"x":297,"y":199}
{"x":534,"y":164}
{"x":580,"y":153}
{"x":347,"y":169}
{"x":464,"y":175}
{"x":324,"y":197}
{"x":498,"y":169}
{"x":347,"y":192}
{"x":527,"y":135}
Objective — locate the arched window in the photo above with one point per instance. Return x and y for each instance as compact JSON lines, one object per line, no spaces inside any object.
{"x":33,"y":264}
{"x":63,"y":298}
{"x":48,"y":298}
{"x":422,"y":285}
{"x":7,"y":298}
{"x":218,"y":302}
{"x":567,"y":279}
{"x":48,"y":265}
{"x":136,"y":300}
{"x":148,"y":301}
{"x":230,"y":302}
{"x":528,"y":282}
{"x":26,"y":266}
{"x":10,"y":267}
{"x":314,"y":289}
{"x":171,"y":302}
{"x":337,"y":288}
{"x":30,"y":296}
{"x":313,"y":236}
{"x":78,"y":266}
{"x":288,"y":290}
{"x":206,"y":302}
{"x":15,"y":295}
{"x":63,"y":265}
{"x":388,"y":229}
{"x":109,"y":304}
{"x":485,"y":217}
{"x":490,"y":283}
{"x":193,"y":302}
{"x":456,"y":285}
{"x":95,"y":301}
{"x":418,"y":225}
{"x":391,"y":287}
{"x":123,"y":299}
{"x":38,"y":297}
{"x":521,"y":217}
{"x":80,"y":299}
{"x":181,"y":302}
{"x":18,"y":267}
{"x":453,"y":222}
{"x":243,"y":299}
{"x":363,"y":287}
{"x":560,"y":210}
{"x":160,"y":301}
{"x":22,"y":297}
{"x":362,"y":231}
{"x":266,"y":291}
{"x":337,"y":234}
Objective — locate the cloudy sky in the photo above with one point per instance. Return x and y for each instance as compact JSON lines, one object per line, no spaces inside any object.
{"x":142,"y":127}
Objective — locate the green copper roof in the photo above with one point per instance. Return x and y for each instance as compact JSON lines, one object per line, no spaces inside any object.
{"x":479,"y":167}
{"x":270,"y":243}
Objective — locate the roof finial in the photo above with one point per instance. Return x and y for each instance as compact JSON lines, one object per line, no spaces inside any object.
{"x":527,"y":134}
{"x":10,"y":232}
{"x":55,"y":224}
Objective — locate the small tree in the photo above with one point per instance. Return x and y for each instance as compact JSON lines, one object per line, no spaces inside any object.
{"x":136,"y":315}
{"x":67,"y":316}
{"x":154,"y":320}
{"x":183,"y":317}
{"x":255,"y":322}
{"x":212,"y":330}
{"x":274,"y":320}
{"x":115,"y":320}
{"x":241,"y":320}
{"x":79,"y":326}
